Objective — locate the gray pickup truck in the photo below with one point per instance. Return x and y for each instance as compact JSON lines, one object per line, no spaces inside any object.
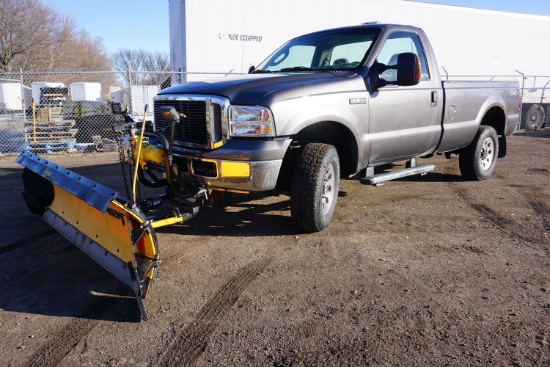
{"x":339,"y":103}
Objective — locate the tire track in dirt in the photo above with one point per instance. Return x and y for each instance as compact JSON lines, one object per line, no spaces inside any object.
{"x":504,"y":224}
{"x":542,"y":211}
{"x":538,"y":206}
{"x":27,"y":241}
{"x":190,"y":343}
{"x":61,"y":343}
{"x":67,"y":338}
{"x":508,"y":226}
{"x":493,"y":217}
{"x":540,"y":171}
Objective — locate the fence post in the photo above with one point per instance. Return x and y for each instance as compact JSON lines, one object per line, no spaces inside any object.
{"x":130,"y":107}
{"x":521,"y":99}
{"x":23,"y":102}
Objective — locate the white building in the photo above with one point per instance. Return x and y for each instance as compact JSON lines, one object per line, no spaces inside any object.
{"x":221,"y":36}
{"x":212,"y":37}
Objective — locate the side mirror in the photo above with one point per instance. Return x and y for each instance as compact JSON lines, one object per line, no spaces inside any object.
{"x":251,"y":69}
{"x":405,"y":71}
{"x":408,"y":69}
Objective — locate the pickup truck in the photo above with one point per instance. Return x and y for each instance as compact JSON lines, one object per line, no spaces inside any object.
{"x":338,"y":103}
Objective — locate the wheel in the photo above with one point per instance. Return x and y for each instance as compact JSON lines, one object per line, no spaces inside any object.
{"x":535,"y":117}
{"x":314,"y":187}
{"x":477,"y":160}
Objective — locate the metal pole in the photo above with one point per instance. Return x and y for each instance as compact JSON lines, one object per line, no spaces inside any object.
{"x":23,"y":102}
{"x":130,"y":109}
{"x":521,"y":99}
{"x":34,"y":126}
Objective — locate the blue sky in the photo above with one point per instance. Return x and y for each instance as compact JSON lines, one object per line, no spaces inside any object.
{"x":143,"y":24}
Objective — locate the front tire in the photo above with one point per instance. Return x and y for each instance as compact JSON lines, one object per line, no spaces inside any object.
{"x":314,"y":187}
{"x":477,"y":160}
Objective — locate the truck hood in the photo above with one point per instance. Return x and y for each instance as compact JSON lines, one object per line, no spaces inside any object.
{"x":262,"y":89}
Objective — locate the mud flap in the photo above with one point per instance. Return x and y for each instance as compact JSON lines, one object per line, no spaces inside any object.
{"x":96,"y":220}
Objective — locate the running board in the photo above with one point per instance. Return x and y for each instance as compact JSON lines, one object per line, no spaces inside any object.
{"x":380,"y":179}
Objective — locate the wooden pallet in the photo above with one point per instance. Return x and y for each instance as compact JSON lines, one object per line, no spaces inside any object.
{"x":54,"y":131}
{"x":51,"y":137}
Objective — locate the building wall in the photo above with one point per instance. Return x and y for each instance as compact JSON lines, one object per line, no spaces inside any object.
{"x":220,"y":36}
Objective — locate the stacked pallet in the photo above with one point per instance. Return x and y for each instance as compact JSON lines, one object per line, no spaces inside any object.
{"x":52,"y":136}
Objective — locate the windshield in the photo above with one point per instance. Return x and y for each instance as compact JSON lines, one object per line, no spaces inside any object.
{"x":342,"y":49}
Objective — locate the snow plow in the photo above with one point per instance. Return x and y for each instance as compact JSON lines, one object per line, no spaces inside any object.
{"x":117,"y":232}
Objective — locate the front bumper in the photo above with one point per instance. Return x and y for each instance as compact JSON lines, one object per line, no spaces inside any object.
{"x":239,"y":165}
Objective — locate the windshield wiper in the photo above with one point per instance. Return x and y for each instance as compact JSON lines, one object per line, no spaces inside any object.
{"x":297,"y":68}
{"x":260,"y":71}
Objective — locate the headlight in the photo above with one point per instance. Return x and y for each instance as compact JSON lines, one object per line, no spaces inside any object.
{"x":251,"y":121}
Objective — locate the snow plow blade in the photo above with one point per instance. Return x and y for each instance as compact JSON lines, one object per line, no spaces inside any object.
{"x":111,"y":230}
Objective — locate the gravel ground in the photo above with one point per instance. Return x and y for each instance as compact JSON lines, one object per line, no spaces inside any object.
{"x":424,"y":271}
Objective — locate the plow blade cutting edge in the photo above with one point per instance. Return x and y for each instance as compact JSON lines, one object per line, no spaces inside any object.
{"x":115,"y":234}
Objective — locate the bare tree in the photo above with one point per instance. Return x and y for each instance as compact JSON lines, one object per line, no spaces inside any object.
{"x":26,"y":25}
{"x":79,"y":52}
{"x":143,"y":67}
{"x":36,"y":38}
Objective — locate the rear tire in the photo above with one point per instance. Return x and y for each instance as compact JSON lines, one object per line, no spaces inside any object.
{"x":477,"y":160}
{"x":314,"y":188}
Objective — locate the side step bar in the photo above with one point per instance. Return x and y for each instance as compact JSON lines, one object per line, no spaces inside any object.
{"x":411,"y":170}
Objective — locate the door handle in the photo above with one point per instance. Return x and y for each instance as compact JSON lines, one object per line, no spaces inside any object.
{"x":434,"y":98}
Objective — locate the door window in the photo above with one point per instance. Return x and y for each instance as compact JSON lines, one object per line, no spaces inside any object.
{"x":397,"y":43}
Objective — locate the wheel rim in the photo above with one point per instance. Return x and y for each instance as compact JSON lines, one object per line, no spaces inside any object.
{"x":487,"y":154}
{"x":329,"y":181}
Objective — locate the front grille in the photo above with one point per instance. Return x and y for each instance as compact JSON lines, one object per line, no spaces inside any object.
{"x":204,"y":125}
{"x":192,"y":129}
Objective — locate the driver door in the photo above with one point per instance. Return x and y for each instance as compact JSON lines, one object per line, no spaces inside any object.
{"x":404,"y":121}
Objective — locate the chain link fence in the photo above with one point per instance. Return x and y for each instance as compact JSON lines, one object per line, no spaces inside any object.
{"x":535,"y":107}
{"x":71,"y":111}
{"x":67,"y":111}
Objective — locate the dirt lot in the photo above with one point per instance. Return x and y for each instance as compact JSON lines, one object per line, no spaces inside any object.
{"x":424,"y":271}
